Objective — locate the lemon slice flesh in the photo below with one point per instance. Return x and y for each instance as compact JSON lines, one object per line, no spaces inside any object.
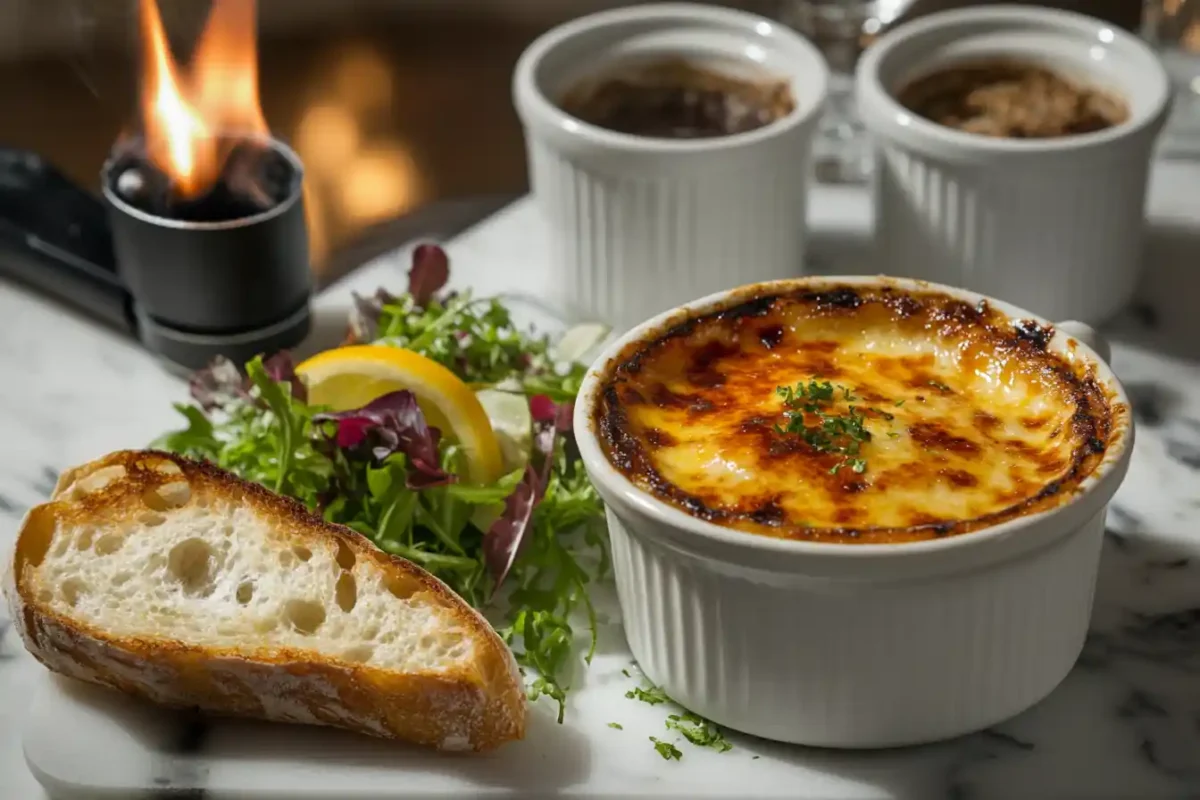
{"x":511,"y":422}
{"x":347,"y":378}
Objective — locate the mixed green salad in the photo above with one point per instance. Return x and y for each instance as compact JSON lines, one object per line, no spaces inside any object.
{"x":524,"y":548}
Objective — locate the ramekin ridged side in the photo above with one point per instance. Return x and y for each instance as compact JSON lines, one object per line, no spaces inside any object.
{"x":852,"y":665}
{"x":632,"y":244}
{"x":1054,"y":225}
{"x":1063,"y":240}
{"x":640,"y":224}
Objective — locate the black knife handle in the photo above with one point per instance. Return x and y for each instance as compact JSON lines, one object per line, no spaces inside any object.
{"x":54,"y":236}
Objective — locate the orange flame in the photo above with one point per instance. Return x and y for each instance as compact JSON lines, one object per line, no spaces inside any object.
{"x":189,"y":122}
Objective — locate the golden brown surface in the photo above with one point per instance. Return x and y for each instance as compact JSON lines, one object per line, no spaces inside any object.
{"x":958,"y":417}
{"x":1011,"y":100}
{"x":478,"y":708}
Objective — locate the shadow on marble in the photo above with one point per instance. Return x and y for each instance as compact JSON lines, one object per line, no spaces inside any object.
{"x":181,"y":745}
{"x":1165,"y":315}
{"x":1136,"y":686}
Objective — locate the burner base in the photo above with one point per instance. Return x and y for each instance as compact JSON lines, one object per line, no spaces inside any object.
{"x":184,"y":352}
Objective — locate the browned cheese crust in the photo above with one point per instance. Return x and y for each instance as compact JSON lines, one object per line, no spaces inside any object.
{"x":964,"y":417}
{"x":476,"y":708}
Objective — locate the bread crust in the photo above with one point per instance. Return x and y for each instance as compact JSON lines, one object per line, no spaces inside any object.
{"x":474,"y":708}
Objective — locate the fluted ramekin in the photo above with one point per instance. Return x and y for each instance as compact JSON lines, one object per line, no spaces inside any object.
{"x":639,"y":224}
{"x":1053,"y":225}
{"x":856,"y":645}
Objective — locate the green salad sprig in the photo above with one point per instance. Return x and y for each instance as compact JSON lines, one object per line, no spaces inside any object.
{"x":384,"y":472}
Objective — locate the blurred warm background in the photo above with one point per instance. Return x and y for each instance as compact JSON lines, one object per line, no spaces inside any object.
{"x":392,"y":104}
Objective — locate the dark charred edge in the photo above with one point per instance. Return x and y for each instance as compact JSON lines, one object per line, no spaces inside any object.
{"x":840,"y":297}
{"x":1093,"y":422}
{"x":771,"y":336}
{"x":1037,"y":335}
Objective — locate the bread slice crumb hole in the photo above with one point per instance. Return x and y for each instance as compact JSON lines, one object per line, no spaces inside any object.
{"x":345,"y":556}
{"x":191,"y":563}
{"x":306,"y":616}
{"x":302,"y":553}
{"x":346,"y":592}
{"x":245,"y":592}
{"x":400,"y":588}
{"x":168,"y":496}
{"x":72,"y":588}
{"x":108,"y":544}
{"x":359,"y":653}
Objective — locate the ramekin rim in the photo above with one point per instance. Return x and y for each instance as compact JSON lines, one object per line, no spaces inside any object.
{"x":871,"y":89}
{"x":536,"y":108}
{"x":601,"y":471}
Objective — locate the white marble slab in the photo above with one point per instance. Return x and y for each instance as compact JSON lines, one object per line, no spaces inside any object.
{"x":1126,"y":722}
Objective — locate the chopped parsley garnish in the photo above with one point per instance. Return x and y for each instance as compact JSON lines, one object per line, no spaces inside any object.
{"x":625,"y":672}
{"x":616,"y":726}
{"x":809,"y":413}
{"x":666,"y":749}
{"x":899,"y":402}
{"x":693,"y":727}
{"x":652,"y":695}
{"x":699,"y":731}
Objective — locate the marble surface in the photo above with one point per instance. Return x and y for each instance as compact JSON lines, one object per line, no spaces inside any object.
{"x":1125,"y":723}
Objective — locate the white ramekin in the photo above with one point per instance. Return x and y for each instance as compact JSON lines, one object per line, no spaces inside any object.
{"x":639,"y":225}
{"x":1053,"y":225}
{"x":855,"y":645}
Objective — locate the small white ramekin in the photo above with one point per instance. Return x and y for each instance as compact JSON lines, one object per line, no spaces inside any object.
{"x":1052,"y":225}
{"x":637,"y":224}
{"x":856,"y":645}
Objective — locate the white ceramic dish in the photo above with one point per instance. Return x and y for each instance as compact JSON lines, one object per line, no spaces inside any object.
{"x":641,"y":224}
{"x":1053,"y":225}
{"x":855,"y":645}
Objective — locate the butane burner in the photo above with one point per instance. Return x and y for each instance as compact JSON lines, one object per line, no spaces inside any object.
{"x":224,"y":273}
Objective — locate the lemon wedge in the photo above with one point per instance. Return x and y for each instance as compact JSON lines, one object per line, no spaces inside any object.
{"x":346,"y":378}
{"x":512,"y":423}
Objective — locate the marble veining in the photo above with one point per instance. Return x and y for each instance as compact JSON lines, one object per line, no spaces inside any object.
{"x":1124,"y":724}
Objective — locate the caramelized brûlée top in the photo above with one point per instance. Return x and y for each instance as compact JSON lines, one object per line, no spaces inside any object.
{"x":854,"y":414}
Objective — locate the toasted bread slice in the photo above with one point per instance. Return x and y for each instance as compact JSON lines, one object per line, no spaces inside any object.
{"x":178,"y":582}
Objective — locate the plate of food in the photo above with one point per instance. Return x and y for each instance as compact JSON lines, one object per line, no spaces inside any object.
{"x":406,"y":546}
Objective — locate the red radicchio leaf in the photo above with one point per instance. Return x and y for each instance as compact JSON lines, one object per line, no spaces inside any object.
{"x":503,"y":541}
{"x":429,"y":273}
{"x":281,"y":369}
{"x":542,"y":408}
{"x":218,"y":384}
{"x":221,"y":382}
{"x":391,"y":424}
{"x":507,"y":536}
{"x":364,"y":317}
{"x":564,"y":417}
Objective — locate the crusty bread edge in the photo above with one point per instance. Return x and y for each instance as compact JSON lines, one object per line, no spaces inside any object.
{"x":476,"y":709}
